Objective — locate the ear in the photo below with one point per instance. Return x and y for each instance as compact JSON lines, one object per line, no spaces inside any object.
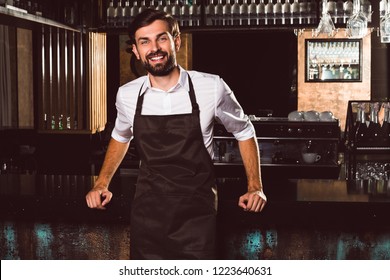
{"x":135,"y":51}
{"x":177,"y":41}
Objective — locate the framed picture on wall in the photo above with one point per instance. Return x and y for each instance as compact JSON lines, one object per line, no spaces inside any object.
{"x":333,"y":60}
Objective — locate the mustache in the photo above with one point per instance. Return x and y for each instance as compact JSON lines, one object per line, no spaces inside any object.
{"x":156,"y":54}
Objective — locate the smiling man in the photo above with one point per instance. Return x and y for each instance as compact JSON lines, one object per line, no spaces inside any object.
{"x":170,"y":113}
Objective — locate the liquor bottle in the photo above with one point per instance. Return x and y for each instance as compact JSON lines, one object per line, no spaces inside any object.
{"x":185,"y":14}
{"x":331,"y":6}
{"x":219,"y":13}
{"x":227,"y":13}
{"x":142,"y":7}
{"x":374,"y":128}
{"x":175,"y":9}
{"x":134,"y":11}
{"x":286,"y":12}
{"x":244,"y":13}
{"x":127,"y":13}
{"x":348,"y":9}
{"x":252,"y":11}
{"x":195,"y":13}
{"x":160,"y":5}
{"x":168,"y":7}
{"x":278,"y":12}
{"x":261,"y":12}
{"x":295,"y":12}
{"x":111,"y":14}
{"x":339,"y":11}
{"x":312,"y":11}
{"x":303,"y":15}
{"x":210,"y":13}
{"x":269,"y":12}
{"x":360,"y":129}
{"x":236,"y":12}
{"x":119,"y":14}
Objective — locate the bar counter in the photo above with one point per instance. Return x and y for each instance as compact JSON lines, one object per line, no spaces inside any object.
{"x":46,"y":217}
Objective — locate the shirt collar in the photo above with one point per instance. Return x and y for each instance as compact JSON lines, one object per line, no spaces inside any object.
{"x":182,"y":82}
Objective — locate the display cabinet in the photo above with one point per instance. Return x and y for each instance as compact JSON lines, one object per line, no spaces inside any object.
{"x":367,"y":140}
{"x":333,"y":60}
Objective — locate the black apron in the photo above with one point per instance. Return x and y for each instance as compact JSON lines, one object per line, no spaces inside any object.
{"x":173,"y":212}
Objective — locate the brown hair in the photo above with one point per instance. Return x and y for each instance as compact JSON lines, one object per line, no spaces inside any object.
{"x":147,"y":17}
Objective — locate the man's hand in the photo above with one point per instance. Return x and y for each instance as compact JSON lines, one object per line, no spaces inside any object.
{"x":94,"y":198}
{"x":253,"y":201}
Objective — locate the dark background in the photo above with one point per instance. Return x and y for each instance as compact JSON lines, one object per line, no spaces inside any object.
{"x":260,"y":69}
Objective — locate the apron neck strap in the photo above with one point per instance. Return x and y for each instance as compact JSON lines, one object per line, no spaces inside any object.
{"x":195,"y":106}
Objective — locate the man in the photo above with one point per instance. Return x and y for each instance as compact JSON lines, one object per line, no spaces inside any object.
{"x":171,"y":113}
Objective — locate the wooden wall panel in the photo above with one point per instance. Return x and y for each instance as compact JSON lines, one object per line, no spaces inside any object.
{"x":25,"y":78}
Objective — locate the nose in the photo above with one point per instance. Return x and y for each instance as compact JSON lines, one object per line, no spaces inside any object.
{"x":155,"y":46}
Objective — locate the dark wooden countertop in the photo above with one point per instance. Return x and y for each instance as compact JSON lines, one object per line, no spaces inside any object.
{"x":295,"y":202}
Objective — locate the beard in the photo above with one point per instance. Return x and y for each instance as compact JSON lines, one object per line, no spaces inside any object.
{"x":160,"y":69}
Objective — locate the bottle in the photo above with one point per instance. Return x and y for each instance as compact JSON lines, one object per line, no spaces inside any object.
{"x":236,"y":12}
{"x":111,"y":14}
{"x":134,"y":10}
{"x":210,"y":13}
{"x":227,"y":13}
{"x":176,"y":9}
{"x":360,"y":130}
{"x":185,"y":14}
{"x":244,"y":13}
{"x":261,"y":12}
{"x":252,"y":11}
{"x":142,"y":7}
{"x":168,"y":7}
{"x":286,"y":12}
{"x":127,"y":13}
{"x":348,"y":10}
{"x":195,"y":13}
{"x":278,"y":12}
{"x":374,"y":128}
{"x":331,"y":6}
{"x":160,"y":6}
{"x":269,"y":12}
{"x":219,"y":13}
{"x":295,"y":12}
{"x":312,"y":11}
{"x":339,"y":11}
{"x":119,"y":14}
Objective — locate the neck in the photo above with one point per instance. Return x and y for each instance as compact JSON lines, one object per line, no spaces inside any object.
{"x":165,"y":82}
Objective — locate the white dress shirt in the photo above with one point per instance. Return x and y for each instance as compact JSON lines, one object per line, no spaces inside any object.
{"x":215,"y":99}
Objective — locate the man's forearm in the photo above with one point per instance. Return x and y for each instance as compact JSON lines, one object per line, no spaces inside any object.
{"x":249,"y":151}
{"x":114,"y":156}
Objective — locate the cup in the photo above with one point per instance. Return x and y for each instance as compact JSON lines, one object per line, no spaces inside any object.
{"x":311,"y":157}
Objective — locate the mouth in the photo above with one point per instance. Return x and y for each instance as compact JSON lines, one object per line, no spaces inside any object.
{"x":156,"y":58}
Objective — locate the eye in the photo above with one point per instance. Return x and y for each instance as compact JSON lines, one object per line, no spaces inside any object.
{"x":144,"y":42}
{"x":163,"y":38}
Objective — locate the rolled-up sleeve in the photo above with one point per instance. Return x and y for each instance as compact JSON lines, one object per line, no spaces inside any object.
{"x":230,"y":113}
{"x":122,"y":131}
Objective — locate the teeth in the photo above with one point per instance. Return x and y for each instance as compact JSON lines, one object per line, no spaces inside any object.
{"x":156,"y":58}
